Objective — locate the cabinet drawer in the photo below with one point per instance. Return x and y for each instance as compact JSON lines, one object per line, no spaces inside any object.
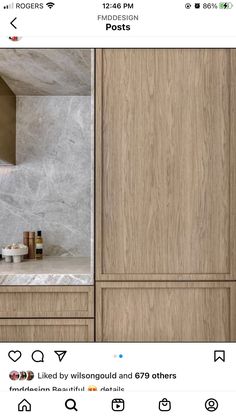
{"x":168,"y":311}
{"x":48,"y":330}
{"x":18,"y":302}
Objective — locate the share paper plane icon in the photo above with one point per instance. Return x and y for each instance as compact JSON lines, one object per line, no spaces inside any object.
{"x":60,"y":354}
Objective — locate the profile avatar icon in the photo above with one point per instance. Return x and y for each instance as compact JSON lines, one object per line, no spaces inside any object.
{"x":23,"y":375}
{"x":211,"y":405}
{"x":14,"y":375}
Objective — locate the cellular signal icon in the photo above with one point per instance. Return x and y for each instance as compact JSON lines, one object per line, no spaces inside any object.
{"x":9,"y":6}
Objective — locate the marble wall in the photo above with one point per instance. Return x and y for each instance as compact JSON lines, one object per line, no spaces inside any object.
{"x":50,"y":187}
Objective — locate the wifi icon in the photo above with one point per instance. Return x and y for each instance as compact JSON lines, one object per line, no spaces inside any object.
{"x":50,"y":4}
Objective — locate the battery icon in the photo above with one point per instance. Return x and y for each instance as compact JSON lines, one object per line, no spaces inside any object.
{"x":225,"y":5}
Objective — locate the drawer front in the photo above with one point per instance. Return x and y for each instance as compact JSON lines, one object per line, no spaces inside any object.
{"x":171,"y":312}
{"x":32,"y":302}
{"x":48,"y":330}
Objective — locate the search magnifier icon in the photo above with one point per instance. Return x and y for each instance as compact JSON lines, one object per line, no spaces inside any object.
{"x":71,"y":404}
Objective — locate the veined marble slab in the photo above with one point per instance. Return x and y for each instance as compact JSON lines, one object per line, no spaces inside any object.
{"x":52,"y":279}
{"x":49,"y":271}
{"x":51,"y":186}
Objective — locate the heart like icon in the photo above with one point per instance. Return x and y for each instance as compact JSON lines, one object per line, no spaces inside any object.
{"x":14,"y":355}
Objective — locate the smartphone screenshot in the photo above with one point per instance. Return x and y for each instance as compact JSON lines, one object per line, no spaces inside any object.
{"x":118,"y":209}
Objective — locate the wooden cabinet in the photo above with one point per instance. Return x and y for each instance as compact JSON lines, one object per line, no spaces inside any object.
{"x":46,"y":330}
{"x":166,"y":311}
{"x":166,"y":171}
{"x":47,"y":314}
{"x":166,"y":194}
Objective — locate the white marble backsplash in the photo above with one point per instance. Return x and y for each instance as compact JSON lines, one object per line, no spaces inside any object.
{"x":50,"y":187}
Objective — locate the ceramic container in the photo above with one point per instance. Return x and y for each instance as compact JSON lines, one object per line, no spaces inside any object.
{"x":14,"y":254}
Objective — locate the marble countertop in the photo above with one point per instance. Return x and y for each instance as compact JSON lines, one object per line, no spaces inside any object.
{"x":48,"y":271}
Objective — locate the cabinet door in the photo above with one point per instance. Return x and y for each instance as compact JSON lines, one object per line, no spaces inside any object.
{"x":171,"y":312}
{"x":51,"y":330}
{"x":166,"y":171}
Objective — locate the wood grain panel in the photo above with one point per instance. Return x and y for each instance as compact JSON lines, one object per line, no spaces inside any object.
{"x":171,"y":312}
{"x":73,"y":330}
{"x":7,"y":124}
{"x":233,"y":164}
{"x":164,"y":136}
{"x":18,"y":302}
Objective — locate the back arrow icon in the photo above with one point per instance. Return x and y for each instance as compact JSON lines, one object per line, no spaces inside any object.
{"x":13,"y":23}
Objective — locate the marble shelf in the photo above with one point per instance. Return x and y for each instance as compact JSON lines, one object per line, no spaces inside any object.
{"x":49,"y":271}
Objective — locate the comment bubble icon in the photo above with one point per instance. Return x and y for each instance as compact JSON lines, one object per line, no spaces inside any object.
{"x":38,"y":356}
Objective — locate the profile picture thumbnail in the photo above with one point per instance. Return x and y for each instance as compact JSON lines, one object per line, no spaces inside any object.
{"x":22,"y":375}
{"x":14,"y":375}
{"x":30,"y":375}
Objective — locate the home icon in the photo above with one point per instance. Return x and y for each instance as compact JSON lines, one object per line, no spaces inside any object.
{"x":24,"y":406}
